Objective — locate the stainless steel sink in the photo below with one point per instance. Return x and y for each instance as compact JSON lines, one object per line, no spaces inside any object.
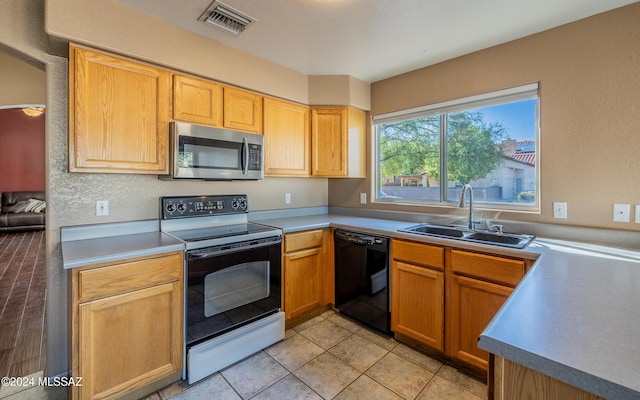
{"x":517,"y":241}
{"x":437,"y":231}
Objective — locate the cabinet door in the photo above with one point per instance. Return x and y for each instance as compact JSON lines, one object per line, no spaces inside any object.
{"x":129,"y":340}
{"x":286,"y":138}
{"x":196,"y":100}
{"x":329,"y":142}
{"x":303,"y":281}
{"x":417,"y":303}
{"x":118,"y":115}
{"x":242,"y":110}
{"x":473,"y":304}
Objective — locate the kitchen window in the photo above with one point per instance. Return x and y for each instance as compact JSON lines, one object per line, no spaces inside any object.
{"x":490,"y":141}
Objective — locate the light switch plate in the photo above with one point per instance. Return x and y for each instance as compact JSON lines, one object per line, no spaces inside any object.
{"x":637,"y":213}
{"x":621,"y":212}
{"x":560,"y":210}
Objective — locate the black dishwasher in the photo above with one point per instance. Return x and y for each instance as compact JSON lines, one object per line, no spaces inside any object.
{"x":362,"y":276}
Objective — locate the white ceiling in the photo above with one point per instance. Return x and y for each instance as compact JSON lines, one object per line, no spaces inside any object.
{"x":375,"y":39}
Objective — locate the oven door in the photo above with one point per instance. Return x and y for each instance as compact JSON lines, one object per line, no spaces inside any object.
{"x":231,"y":286}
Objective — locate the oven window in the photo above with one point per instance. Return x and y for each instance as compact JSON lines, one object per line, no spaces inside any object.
{"x":236,"y":286}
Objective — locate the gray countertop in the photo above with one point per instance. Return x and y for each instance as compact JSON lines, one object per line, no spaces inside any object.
{"x":574,"y":316}
{"x":83,"y":252}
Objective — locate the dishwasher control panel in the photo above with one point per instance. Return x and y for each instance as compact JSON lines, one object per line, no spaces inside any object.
{"x":359,"y":238}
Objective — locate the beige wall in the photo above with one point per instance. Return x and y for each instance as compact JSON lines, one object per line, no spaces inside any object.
{"x":589,"y":75}
{"x":151,"y":39}
{"x":21,"y":82}
{"x":339,"y":90}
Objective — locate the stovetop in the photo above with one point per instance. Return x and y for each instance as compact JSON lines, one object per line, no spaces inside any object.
{"x":206,"y":221}
{"x":216,"y":232}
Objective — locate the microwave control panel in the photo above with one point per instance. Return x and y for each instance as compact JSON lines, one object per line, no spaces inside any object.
{"x":255,"y":157}
{"x":199,"y":206}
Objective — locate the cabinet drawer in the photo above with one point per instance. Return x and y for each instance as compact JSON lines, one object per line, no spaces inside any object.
{"x":417,"y":253}
{"x":302,"y":240}
{"x":496,"y":269}
{"x":128,"y":276}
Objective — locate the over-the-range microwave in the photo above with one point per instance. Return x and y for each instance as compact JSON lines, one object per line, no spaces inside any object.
{"x":202,"y":152}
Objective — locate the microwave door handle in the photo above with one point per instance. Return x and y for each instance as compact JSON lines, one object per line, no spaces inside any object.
{"x":245,"y":156}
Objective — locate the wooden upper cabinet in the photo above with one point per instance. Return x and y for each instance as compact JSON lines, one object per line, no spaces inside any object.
{"x":286,"y":138}
{"x":338,"y":142}
{"x":118,"y":114}
{"x":196,"y":100}
{"x":242,"y":110}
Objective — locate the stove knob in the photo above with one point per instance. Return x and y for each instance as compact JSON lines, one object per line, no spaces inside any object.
{"x":171,"y":207}
{"x":182,"y":207}
{"x":243,"y":204}
{"x":234,"y":204}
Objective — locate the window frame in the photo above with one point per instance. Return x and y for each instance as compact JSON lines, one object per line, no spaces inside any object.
{"x":514,"y":94}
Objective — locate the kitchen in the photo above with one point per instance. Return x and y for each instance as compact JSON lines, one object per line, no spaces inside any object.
{"x":582,"y":67}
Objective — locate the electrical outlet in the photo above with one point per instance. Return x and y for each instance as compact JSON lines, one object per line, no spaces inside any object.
{"x":363,"y":198}
{"x":621,"y":212}
{"x":560,"y":210}
{"x":637,"y":213}
{"x":102,"y":208}
{"x":287,"y":198}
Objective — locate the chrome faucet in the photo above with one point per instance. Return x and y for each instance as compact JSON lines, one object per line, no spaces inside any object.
{"x":461,"y":203}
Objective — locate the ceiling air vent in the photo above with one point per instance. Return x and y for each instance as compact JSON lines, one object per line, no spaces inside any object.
{"x":226,"y":18}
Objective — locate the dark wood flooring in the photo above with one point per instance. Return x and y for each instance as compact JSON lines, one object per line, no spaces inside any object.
{"x":23,"y":284}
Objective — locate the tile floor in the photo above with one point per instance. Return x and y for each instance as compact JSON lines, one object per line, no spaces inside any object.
{"x":330,"y":357}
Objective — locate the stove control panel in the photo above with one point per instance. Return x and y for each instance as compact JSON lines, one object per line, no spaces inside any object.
{"x":199,"y":206}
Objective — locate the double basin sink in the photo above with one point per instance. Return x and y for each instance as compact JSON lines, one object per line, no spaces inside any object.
{"x":516,"y":241}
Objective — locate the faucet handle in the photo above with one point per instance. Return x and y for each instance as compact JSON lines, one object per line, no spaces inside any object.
{"x":497,"y":228}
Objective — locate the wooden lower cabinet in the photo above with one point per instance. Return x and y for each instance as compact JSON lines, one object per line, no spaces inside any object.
{"x":478,"y":285}
{"x":444,"y":297}
{"x":417,"y":292}
{"x":473,"y":305}
{"x":303,"y":272}
{"x":127,"y":325}
{"x":514,"y":381}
